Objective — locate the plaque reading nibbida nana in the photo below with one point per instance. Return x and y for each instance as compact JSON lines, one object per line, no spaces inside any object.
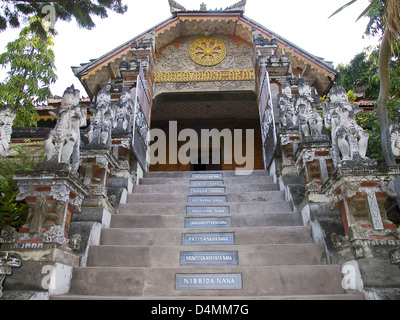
{"x":209,"y":281}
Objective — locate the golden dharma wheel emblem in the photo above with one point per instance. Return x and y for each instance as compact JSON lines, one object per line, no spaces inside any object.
{"x":208,"y":51}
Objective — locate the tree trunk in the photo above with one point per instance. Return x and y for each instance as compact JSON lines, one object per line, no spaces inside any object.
{"x":382,"y":112}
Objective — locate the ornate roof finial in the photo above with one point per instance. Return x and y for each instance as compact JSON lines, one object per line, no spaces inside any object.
{"x":240,"y":6}
{"x":175,"y":6}
{"x":203,"y":7}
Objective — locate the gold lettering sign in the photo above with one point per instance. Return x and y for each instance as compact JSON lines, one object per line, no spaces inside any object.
{"x":204,"y":76}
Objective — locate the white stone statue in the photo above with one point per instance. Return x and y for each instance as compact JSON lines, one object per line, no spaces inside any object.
{"x":287,"y":113}
{"x":395,"y":138}
{"x":311,"y":122}
{"x":7,"y":116}
{"x":102,"y":122}
{"x":124,"y":111}
{"x":349,"y":140}
{"x":62,"y":144}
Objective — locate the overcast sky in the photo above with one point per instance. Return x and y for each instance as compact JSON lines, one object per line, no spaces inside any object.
{"x":302,"y":22}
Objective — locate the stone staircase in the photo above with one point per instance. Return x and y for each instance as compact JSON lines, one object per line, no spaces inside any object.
{"x":207,"y":236}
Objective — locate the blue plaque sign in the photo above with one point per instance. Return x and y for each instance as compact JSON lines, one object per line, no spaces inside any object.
{"x":206,"y":182}
{"x":222,"y":222}
{"x":206,"y":199}
{"x":200,"y":239}
{"x":206,"y":175}
{"x":209,"y":258}
{"x":207,"y":190}
{"x":207,"y":210}
{"x":209,"y":281}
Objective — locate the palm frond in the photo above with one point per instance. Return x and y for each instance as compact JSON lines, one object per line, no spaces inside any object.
{"x":342,"y":7}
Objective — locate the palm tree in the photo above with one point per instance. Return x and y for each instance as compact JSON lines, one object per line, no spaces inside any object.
{"x":391,"y":19}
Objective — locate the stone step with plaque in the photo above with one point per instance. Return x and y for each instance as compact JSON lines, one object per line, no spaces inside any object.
{"x":173,"y":236}
{"x":169,"y":256}
{"x":230,"y":188}
{"x":202,"y":194}
{"x":161,"y":282}
{"x":201,"y":174}
{"x":227,"y":180}
{"x":158,"y":220}
{"x":179,"y":208}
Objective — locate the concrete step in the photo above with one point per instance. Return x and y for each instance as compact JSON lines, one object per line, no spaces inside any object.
{"x":189,"y":174}
{"x":173,"y":236}
{"x":169,"y":256}
{"x":231,"y":188}
{"x":256,"y":280}
{"x":180,"y":208}
{"x":158,"y":220}
{"x":325,"y":297}
{"x":227,"y":180}
{"x":183,"y":198}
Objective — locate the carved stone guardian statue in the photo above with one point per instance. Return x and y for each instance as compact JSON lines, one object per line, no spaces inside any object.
{"x":7,"y":116}
{"x":62,"y":144}
{"x":349,"y":140}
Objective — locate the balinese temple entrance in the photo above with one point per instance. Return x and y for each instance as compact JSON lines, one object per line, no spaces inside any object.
{"x":213,"y":117}
{"x":214,"y":70}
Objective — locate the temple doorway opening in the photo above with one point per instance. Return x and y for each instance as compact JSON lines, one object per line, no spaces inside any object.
{"x":207,"y":131}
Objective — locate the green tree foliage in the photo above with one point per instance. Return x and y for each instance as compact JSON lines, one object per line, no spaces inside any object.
{"x":369,"y":121}
{"x":12,"y":13}
{"x":362,"y":71}
{"x":29,"y":61}
{"x":23,"y":158}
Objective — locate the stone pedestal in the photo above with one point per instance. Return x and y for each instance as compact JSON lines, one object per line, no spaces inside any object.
{"x":8,"y":261}
{"x":314,"y":160}
{"x":288,"y":141}
{"x":361,"y":193}
{"x":44,"y":243}
{"x":370,"y":240}
{"x":51,"y":197}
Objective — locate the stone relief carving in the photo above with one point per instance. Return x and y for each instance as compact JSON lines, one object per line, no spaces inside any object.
{"x":7,"y":116}
{"x":62,"y":144}
{"x":178,"y":59}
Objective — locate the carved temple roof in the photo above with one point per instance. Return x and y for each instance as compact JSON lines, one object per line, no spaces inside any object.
{"x":230,"y":21}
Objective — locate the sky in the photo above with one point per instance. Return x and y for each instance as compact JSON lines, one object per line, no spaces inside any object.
{"x":305,"y":23}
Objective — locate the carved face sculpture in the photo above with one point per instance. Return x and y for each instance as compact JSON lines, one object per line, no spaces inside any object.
{"x":304,"y":88}
{"x":338,"y":94}
{"x":71,"y":97}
